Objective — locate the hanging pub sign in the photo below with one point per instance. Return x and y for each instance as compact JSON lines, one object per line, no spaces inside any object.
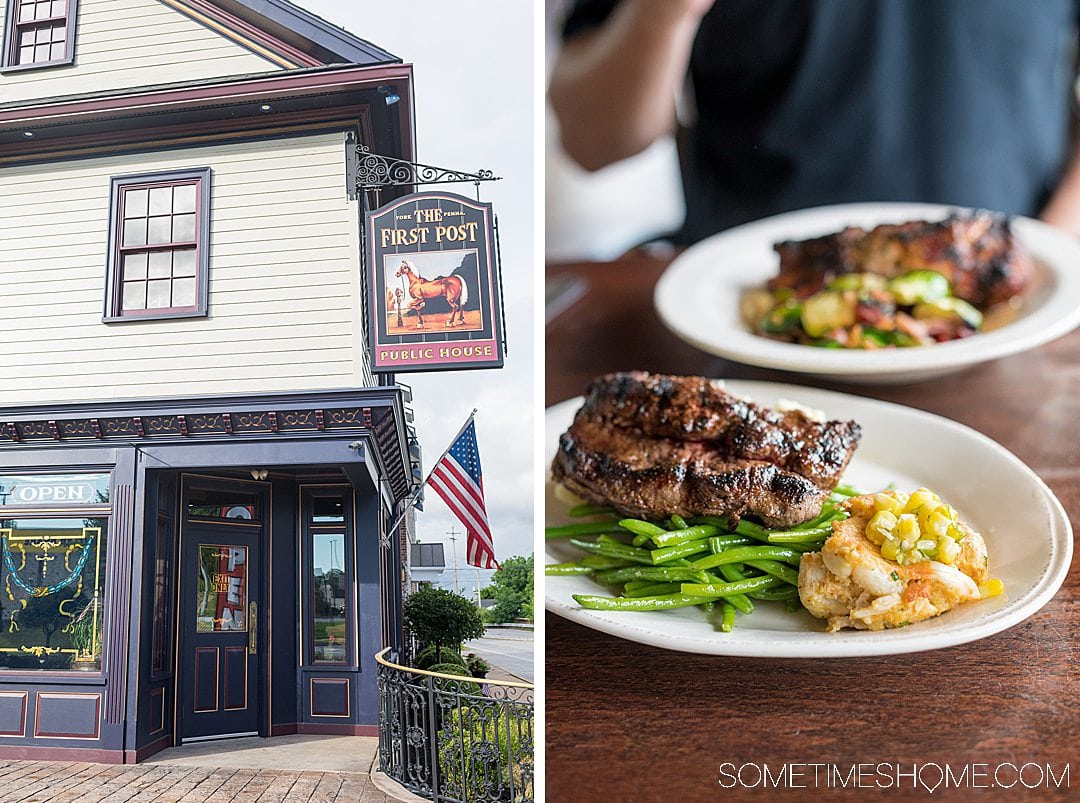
{"x":433,"y":278}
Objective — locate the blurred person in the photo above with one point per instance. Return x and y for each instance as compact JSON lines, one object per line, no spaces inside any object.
{"x":799,"y":103}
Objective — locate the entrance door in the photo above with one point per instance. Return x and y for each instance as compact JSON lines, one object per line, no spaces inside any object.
{"x":220,"y":629}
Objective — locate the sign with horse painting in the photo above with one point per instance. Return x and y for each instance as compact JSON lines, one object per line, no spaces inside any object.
{"x":433,"y":279}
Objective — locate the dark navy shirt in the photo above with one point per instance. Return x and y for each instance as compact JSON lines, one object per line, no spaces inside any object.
{"x":809,"y":102}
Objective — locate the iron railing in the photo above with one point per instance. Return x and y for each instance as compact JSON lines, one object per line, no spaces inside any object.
{"x":455,"y":739}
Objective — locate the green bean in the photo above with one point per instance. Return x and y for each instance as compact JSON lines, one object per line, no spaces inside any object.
{"x":740,"y":601}
{"x":607,"y":538}
{"x":791,"y":606}
{"x":727,"y":621}
{"x":614,"y":550}
{"x":584,"y":528}
{"x":751,"y":530}
{"x":675,"y":537}
{"x":718,"y":543}
{"x":795,"y":536}
{"x":653,"y":589}
{"x":570,"y":567}
{"x":742,"y":554}
{"x":677,"y":522}
{"x":661,"y":602}
{"x":586,"y":565}
{"x":664,"y":574}
{"x":679,"y":551}
{"x":641,"y":527}
{"x":727,"y":589}
{"x":731,"y":573}
{"x":775,"y":568}
{"x":603,"y":562}
{"x":589,"y":509}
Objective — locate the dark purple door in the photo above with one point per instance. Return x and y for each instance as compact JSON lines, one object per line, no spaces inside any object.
{"x":220,"y":629}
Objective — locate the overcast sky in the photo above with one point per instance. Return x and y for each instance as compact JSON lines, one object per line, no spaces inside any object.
{"x":473,"y":68}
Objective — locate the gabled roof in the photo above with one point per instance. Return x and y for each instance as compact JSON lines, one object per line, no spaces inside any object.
{"x":298,"y":37}
{"x":334,"y":41}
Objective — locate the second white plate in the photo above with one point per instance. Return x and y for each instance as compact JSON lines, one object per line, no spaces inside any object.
{"x":698,"y":298}
{"x":1026,"y":531}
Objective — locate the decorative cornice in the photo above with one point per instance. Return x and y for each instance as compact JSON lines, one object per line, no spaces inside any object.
{"x":375,"y":412}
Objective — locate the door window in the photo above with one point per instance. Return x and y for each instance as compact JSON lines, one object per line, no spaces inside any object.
{"x":221,"y":588}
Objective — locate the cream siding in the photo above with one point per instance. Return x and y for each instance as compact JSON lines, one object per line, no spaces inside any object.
{"x":122,"y":44}
{"x":284,"y":280}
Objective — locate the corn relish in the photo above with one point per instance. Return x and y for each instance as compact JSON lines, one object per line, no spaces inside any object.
{"x":916,"y":527}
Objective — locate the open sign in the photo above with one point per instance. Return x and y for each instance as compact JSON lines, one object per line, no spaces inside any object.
{"x":30,"y":490}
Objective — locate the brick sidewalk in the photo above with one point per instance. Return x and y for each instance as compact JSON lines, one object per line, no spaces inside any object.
{"x":75,"y":782}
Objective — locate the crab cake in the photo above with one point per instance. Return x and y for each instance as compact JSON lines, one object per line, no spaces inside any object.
{"x":897,"y":559}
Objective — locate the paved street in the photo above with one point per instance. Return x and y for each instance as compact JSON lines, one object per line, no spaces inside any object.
{"x":507,"y":648}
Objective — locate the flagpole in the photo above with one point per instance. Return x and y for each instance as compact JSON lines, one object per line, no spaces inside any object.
{"x":420,"y":487}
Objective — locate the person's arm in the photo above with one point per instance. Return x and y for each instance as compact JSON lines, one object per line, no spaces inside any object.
{"x":613,"y":89}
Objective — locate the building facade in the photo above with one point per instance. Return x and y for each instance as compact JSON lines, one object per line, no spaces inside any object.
{"x":198,"y":468}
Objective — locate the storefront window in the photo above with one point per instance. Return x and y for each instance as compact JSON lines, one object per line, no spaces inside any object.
{"x":328,"y":584}
{"x":52,"y":589}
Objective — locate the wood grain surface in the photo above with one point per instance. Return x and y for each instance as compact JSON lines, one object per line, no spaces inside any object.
{"x":630,"y":722}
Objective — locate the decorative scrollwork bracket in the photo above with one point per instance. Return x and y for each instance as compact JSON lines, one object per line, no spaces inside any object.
{"x":375,"y":172}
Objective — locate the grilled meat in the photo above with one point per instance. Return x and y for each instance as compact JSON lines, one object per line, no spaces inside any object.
{"x":697,"y":409}
{"x":653,"y":446}
{"x":974,"y":250}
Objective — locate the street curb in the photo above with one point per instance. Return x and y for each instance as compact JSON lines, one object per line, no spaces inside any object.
{"x":391,"y":788}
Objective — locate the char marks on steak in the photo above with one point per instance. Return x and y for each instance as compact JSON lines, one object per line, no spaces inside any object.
{"x":653,"y":446}
{"x":975,"y":250}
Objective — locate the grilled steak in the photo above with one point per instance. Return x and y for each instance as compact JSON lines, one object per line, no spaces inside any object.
{"x":974,"y":250}
{"x":653,"y":446}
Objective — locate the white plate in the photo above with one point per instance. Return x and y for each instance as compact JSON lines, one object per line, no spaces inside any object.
{"x":698,"y":298}
{"x":1026,"y":531}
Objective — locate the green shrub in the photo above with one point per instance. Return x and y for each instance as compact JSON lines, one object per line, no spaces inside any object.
{"x":474,"y":741}
{"x":429,"y":656}
{"x":440,"y":617}
{"x":478,"y":667}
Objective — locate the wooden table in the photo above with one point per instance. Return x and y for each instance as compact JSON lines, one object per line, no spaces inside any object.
{"x":630,"y":722}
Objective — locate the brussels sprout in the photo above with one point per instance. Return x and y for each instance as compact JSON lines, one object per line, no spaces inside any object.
{"x":782,"y":318}
{"x":955,"y":309}
{"x":858,"y":281}
{"x":919,"y":286}
{"x":877,"y":337}
{"x":823,"y":312}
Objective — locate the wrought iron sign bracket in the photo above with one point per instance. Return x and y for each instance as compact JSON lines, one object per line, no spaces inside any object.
{"x":375,"y":172}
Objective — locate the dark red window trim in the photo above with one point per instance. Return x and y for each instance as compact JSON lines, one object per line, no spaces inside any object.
{"x":121,"y":252}
{"x":13,"y":30}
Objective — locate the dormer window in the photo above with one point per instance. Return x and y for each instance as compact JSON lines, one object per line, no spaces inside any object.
{"x":39,"y":33}
{"x":159,"y":252}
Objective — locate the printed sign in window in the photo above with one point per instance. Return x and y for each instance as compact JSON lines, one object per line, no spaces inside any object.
{"x":222,"y":588}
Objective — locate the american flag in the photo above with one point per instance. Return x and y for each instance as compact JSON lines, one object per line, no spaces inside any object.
{"x":458,"y":480}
